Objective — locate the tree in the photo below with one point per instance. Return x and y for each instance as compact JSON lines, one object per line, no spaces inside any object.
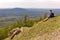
{"x":25,"y":19}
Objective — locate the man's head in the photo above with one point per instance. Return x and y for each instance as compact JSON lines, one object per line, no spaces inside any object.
{"x":50,"y":10}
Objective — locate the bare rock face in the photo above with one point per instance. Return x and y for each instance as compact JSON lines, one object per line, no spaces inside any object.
{"x":14,"y":32}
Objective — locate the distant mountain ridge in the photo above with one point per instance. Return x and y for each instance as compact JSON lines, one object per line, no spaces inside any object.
{"x":23,"y":11}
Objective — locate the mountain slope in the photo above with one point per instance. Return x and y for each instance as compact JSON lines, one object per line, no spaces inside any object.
{"x":40,"y":31}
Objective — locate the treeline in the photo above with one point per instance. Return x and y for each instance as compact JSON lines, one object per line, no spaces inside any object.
{"x":26,"y":22}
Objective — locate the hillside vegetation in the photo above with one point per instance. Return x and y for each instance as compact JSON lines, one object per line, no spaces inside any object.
{"x":26,"y":22}
{"x":39,"y":30}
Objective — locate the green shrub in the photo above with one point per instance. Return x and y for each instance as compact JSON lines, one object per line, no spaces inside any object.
{"x":3,"y":33}
{"x":44,"y":16}
{"x":27,"y":22}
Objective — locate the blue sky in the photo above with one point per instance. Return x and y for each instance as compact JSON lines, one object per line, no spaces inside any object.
{"x":30,"y":3}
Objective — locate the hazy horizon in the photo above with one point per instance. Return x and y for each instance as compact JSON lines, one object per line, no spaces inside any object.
{"x":29,"y":4}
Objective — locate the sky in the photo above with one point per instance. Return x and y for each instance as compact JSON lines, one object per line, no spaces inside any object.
{"x":29,"y":3}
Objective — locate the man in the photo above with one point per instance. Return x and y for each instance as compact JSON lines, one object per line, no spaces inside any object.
{"x":50,"y":16}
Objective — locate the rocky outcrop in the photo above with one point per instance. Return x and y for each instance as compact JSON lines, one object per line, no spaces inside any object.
{"x":14,"y":32}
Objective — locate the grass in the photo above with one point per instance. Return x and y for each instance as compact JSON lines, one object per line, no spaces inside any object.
{"x":39,"y":28}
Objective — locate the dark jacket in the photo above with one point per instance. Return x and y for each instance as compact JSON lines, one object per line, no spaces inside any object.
{"x":52,"y":15}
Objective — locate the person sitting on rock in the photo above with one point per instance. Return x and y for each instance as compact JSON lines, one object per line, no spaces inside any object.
{"x":50,"y":16}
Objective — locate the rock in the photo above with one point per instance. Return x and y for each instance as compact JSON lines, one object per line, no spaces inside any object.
{"x":14,"y":32}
